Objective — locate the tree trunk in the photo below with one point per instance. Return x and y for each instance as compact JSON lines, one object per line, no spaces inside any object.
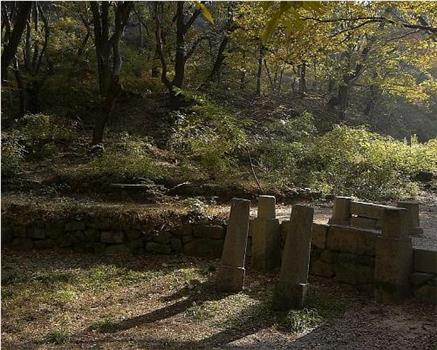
{"x":10,"y":48}
{"x":343,"y":100}
{"x":258,"y":75}
{"x":302,"y":78}
{"x":180,"y":46}
{"x":108,"y":59}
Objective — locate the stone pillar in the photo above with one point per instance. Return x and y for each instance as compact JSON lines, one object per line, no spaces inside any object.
{"x":413,"y":216}
{"x":341,"y":214}
{"x":394,"y":258}
{"x":292,"y":287}
{"x":230,"y":274}
{"x":266,"y":246}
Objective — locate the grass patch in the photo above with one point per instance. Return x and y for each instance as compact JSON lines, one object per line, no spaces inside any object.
{"x":320,"y":308}
{"x":104,"y":326}
{"x":57,"y":337}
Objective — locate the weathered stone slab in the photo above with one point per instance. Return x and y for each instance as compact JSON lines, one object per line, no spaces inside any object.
{"x":291,"y":288}
{"x":75,"y":226}
{"x":393,"y":266}
{"x":352,"y":240}
{"x":38,"y":233}
{"x":425,"y":261}
{"x":319,"y":234}
{"x":321,"y":268}
{"x":176,"y":244}
{"x":341,"y":213}
{"x":266,"y":248}
{"x":369,"y":210}
{"x":111,"y":237}
{"x":162,"y":237}
{"x":367,"y":223}
{"x":230,"y":274}
{"x":209,"y":231}
{"x":412,"y":208}
{"x":204,"y":247}
{"x":426,"y":293}
{"x":266,"y":207}
{"x":159,"y":248}
{"x":419,"y":278}
{"x":117,"y":249}
{"x":352,"y":273}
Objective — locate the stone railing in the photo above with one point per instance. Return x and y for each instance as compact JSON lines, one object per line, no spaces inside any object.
{"x":365,"y":245}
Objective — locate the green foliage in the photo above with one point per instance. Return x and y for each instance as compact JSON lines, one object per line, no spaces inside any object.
{"x":126,"y":159}
{"x":346,"y":161}
{"x":40,"y":134}
{"x":105,"y":326}
{"x":12,"y":156}
{"x":210,"y":135}
{"x":57,"y":337}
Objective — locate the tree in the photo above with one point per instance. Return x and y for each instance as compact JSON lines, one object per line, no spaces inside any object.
{"x":181,"y":54}
{"x":14,"y":20}
{"x":108,"y":55}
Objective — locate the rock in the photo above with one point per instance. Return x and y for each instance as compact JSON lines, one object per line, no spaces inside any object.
{"x":133,"y":234}
{"x":154,"y":247}
{"x":328,"y":256}
{"x":176,"y":244}
{"x":19,"y":231}
{"x":75,"y":226}
{"x":184,"y":230}
{"x":211,"y":248}
{"x":54,"y":229}
{"x":162,"y":237}
{"x":98,"y":247}
{"x":117,"y":249}
{"x":353,"y":273}
{"x":186,"y":239}
{"x":111,"y":237}
{"x":22,"y":244}
{"x":209,"y":231}
{"x":319,"y":233}
{"x":92,"y":235}
{"x":321,"y":268}
{"x":136,"y":246}
{"x":419,"y":278}
{"x":355,"y":259}
{"x":44,"y":244}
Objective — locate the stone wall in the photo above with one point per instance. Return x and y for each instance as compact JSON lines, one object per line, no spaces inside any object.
{"x":346,"y":254}
{"x":116,"y":235}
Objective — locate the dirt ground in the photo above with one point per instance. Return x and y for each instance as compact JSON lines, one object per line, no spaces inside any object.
{"x":68,"y":300}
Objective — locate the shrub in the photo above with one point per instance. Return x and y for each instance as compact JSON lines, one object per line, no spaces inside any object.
{"x":40,"y":134}
{"x":349,"y":161}
{"x":209,"y":135}
{"x":125,"y":160}
{"x":12,"y":156}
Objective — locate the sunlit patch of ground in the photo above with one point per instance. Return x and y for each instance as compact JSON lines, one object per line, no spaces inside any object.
{"x":69,"y":301}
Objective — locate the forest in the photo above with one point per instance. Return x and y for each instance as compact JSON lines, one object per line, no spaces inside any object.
{"x":333,"y":97}
{"x":160,"y":111}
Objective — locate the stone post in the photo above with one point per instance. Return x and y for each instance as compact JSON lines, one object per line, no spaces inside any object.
{"x":413,"y":216}
{"x":341,"y":214}
{"x":230,"y":274}
{"x":266,"y":246}
{"x":292,"y":287}
{"x":394,"y":258}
